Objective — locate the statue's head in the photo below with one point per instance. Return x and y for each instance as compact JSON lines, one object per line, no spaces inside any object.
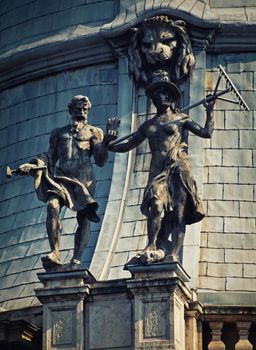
{"x":161,"y":90}
{"x":160,"y":43}
{"x":79,"y":107}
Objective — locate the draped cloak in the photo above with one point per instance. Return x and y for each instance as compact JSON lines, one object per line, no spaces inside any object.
{"x":165,"y":185}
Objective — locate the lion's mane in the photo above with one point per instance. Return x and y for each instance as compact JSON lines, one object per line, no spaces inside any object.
{"x":179,"y":66}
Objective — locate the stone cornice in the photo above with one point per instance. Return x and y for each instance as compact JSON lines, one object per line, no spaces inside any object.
{"x":41,"y":59}
{"x":201,"y":21}
{"x":82,"y":46}
{"x":234,"y":37}
{"x":79,"y":46}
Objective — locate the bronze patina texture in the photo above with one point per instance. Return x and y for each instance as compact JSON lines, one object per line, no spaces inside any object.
{"x":68,"y":178}
{"x":170,"y":198}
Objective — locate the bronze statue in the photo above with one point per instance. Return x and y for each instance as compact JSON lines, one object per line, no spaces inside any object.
{"x":69,"y":179}
{"x":160,"y":43}
{"x":170,"y":198}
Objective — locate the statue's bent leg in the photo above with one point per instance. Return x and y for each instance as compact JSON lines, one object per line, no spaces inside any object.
{"x":53,"y":227}
{"x":82,"y":236}
{"x":154,"y":222}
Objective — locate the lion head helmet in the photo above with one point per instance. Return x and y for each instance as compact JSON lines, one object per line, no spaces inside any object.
{"x":160,"y":43}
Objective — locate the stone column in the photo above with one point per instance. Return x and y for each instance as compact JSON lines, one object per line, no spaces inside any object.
{"x":193,"y":326}
{"x":63,"y":297}
{"x":160,"y":298}
{"x":243,"y":329}
{"x":216,"y":342}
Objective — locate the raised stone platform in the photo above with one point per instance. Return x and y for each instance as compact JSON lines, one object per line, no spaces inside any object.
{"x":160,"y":299}
{"x":147,"y":311}
{"x":63,"y":298}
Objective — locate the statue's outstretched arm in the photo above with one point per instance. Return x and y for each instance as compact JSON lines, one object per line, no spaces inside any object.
{"x":135,"y":140}
{"x":207,"y":130}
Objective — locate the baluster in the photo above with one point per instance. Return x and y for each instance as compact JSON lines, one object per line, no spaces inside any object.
{"x":216,"y":342}
{"x":243,"y":330}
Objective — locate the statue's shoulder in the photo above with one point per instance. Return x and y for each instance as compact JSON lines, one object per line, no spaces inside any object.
{"x":96,"y":132}
{"x":59,"y":131}
{"x":146,"y":124}
{"x":94,"y":129}
{"x":183,"y":118}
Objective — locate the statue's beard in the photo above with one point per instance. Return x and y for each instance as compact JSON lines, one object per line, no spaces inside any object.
{"x":78,"y":125}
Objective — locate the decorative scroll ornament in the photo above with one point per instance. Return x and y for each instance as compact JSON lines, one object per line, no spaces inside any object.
{"x":160,"y":43}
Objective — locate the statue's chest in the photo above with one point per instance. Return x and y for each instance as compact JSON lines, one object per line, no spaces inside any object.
{"x":164,"y":129}
{"x":73,"y":140}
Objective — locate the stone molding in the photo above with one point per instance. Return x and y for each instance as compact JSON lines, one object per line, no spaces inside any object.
{"x":65,"y":52}
{"x":52,"y":56}
{"x":61,"y":51}
{"x":133,"y":12}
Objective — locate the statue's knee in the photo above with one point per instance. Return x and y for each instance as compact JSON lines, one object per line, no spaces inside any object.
{"x":179,"y":216}
{"x":53,"y":208}
{"x":156,"y":207}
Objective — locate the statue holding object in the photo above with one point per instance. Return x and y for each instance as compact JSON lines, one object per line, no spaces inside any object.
{"x":71,"y":183}
{"x":170,"y":198}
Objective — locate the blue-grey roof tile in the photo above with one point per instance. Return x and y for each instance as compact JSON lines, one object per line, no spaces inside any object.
{"x":10,"y":238}
{"x":15,"y":252}
{"x":33,"y":232}
{"x":27,"y":276}
{"x":68,"y":225}
{"x":8,"y":281}
{"x":23,"y":264}
{"x":4,"y":266}
{"x":39,"y":247}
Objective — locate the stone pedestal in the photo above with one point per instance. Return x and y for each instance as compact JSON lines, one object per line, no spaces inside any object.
{"x":63,"y":308}
{"x":160,"y":300}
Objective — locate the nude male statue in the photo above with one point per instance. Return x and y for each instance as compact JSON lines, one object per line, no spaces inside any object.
{"x":170,"y":198}
{"x":69,"y":178}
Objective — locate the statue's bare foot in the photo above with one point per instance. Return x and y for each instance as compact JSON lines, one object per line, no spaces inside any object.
{"x":53,"y":257}
{"x":152,"y":256}
{"x":148,"y":248}
{"x":146,"y":257}
{"x":51,"y":260}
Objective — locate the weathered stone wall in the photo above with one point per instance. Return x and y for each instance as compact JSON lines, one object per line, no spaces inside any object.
{"x":228,"y":238}
{"x":29,"y":112}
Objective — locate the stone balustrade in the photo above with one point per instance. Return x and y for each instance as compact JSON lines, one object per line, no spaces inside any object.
{"x":227,"y":335}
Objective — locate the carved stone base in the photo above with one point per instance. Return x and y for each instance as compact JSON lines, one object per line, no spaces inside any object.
{"x":63,"y":303}
{"x":160,"y":300}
